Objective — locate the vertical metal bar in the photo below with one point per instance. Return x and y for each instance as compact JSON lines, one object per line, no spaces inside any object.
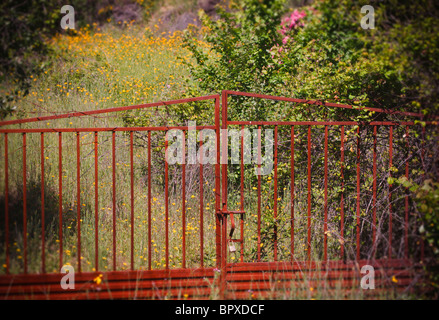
{"x":259,"y":193}
{"x":60,"y":233}
{"x":166,"y":204}
{"x":406,"y":224}
{"x":132,"y":197}
{"x":224,"y":186}
{"x":292,"y":193}
{"x":113,"y":139}
{"x":218,"y":216}
{"x":423,"y":177}
{"x":96,"y":204}
{"x":275,"y":192}
{"x":183,"y":202}
{"x":7,"y":202}
{"x":242,"y":193}
{"x":325,"y":223}
{"x":374,"y":189}
{"x":309,"y":195}
{"x":390,"y":190}
{"x":358,"y":194}
{"x":223,"y":254}
{"x":24,"y":205}
{"x":78,"y":196}
{"x":149,"y":201}
{"x":342,"y":193}
{"x":201,"y":203}
{"x":43,"y":236}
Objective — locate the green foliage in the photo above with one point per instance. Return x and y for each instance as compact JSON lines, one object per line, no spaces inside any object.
{"x":428,"y":205}
{"x":327,"y":56}
{"x":23,"y":27}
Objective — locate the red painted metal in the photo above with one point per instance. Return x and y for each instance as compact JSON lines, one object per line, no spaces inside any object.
{"x":342,"y":194}
{"x":320,"y":103}
{"x":96,"y":201}
{"x":166,"y":204}
{"x":325,"y":223}
{"x":201,"y":203}
{"x":275,"y":193}
{"x":78,"y":196}
{"x":24,"y":206}
{"x":235,"y":278}
{"x":292,"y":193}
{"x":219,"y":218}
{"x":308,"y":248}
{"x":242,"y":194}
{"x":406,"y":198}
{"x":358,"y":193}
{"x":43,"y":236}
{"x":183,"y":202}
{"x":7,"y":202}
{"x":113,"y":153}
{"x":259,"y":193}
{"x":390,"y":189}
{"x":374,"y":188}
{"x":132,"y":197}
{"x":101,"y":111}
{"x":149,"y":202}
{"x":60,"y":233}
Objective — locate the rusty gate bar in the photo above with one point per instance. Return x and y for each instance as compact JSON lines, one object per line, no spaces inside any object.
{"x":132,"y":198}
{"x":319,"y":103}
{"x":149,"y":201}
{"x":78,"y":196}
{"x":374,"y":189}
{"x":183,"y":204}
{"x":113,"y":156}
{"x":308,"y":250}
{"x":358,"y":193}
{"x":275,"y":193}
{"x":166,"y":204}
{"x":24,"y":206}
{"x":100,"y":111}
{"x":390,"y":188}
{"x":423,"y":167}
{"x":259,"y":193}
{"x":292,"y":193}
{"x":201,"y":202}
{"x":7,"y":202}
{"x":242,"y":194}
{"x":406,"y":200}
{"x":60,"y":235}
{"x":342,"y":193}
{"x":325,"y":223}
{"x":96,"y":201}
{"x":43,"y":256}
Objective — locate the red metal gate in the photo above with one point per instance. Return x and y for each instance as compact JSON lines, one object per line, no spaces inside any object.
{"x":180,"y":273}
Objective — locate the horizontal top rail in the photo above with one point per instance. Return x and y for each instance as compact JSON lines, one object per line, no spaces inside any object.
{"x":329,"y":123}
{"x":109,"y":129}
{"x":118,"y":109}
{"x":320,"y":103}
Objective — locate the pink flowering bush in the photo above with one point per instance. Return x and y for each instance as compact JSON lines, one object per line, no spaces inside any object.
{"x":292,"y":21}
{"x":288,"y":24}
